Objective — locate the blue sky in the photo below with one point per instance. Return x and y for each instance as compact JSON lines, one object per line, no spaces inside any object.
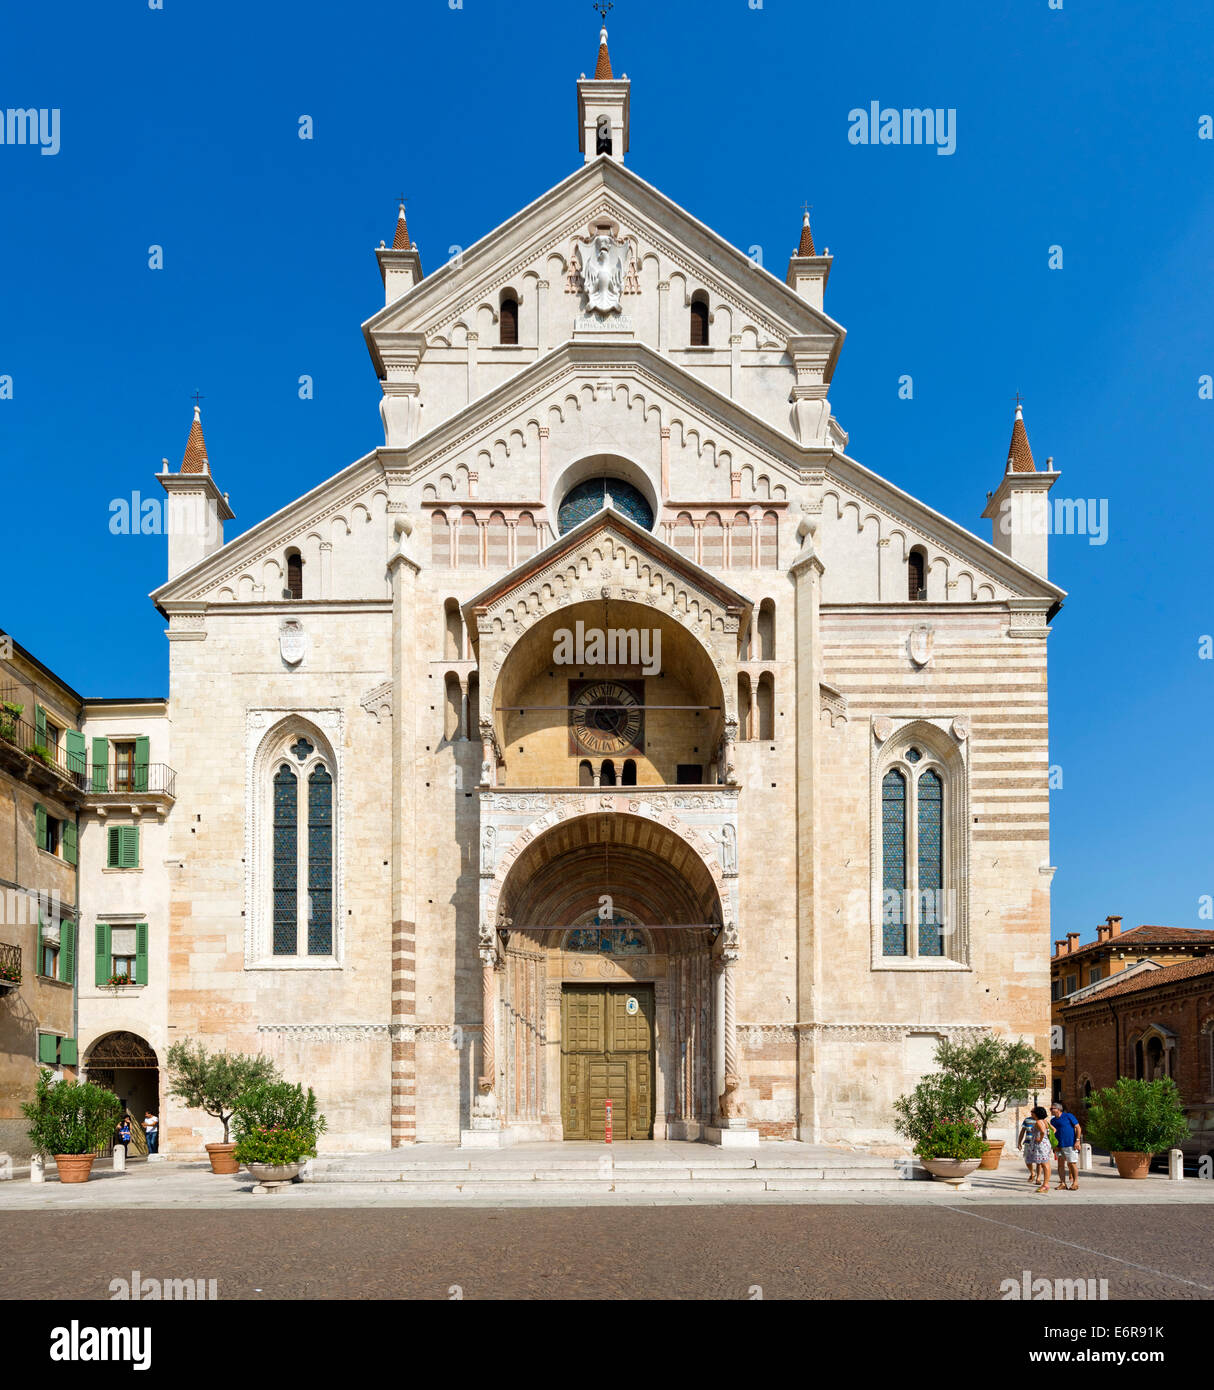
{"x":1075,"y":127}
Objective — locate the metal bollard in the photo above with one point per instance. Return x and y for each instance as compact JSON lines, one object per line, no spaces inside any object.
{"x":1175,"y":1165}
{"x":1085,"y":1158}
{"x":37,"y":1168}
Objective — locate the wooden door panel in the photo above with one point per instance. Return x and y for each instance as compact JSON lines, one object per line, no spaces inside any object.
{"x":607,"y":1054}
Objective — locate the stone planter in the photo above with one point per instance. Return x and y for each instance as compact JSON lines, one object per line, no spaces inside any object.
{"x":1132,"y":1165}
{"x":74,"y":1167}
{"x":992,"y":1153}
{"x":274,"y":1172}
{"x":954,"y":1170}
{"x":221,"y":1158}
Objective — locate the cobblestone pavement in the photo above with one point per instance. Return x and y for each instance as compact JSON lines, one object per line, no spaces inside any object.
{"x":832,"y":1251}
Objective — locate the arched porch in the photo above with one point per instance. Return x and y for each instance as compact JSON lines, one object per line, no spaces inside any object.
{"x":607,"y":948}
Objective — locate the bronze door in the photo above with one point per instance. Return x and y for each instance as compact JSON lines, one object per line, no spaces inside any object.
{"x":607,"y":1054}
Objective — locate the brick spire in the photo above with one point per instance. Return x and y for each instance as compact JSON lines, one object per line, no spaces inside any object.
{"x":1019,"y":455}
{"x":806,"y":247}
{"x":401,"y":242}
{"x":602,"y":69}
{"x":195,"y":460}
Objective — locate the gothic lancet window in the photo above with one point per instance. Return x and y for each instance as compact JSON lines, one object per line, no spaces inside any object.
{"x":916,"y":576}
{"x":294,"y":812}
{"x":919,"y":823}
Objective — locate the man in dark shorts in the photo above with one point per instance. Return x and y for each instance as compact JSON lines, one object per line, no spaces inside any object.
{"x":1069,"y":1132}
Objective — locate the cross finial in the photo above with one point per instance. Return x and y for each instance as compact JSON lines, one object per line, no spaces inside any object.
{"x":1018,"y":400}
{"x":401,"y":199}
{"x":197,"y":396}
{"x":807,"y":208}
{"x":602,"y":6}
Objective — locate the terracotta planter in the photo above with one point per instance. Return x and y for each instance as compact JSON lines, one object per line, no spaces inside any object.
{"x":1132,"y":1165}
{"x":992,"y":1153}
{"x":221,"y":1158}
{"x":74,"y":1167}
{"x":945,"y":1168}
{"x":274,"y":1172}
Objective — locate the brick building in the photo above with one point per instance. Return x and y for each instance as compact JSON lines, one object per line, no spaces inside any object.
{"x":1154,"y":1023}
{"x":1077,"y":972}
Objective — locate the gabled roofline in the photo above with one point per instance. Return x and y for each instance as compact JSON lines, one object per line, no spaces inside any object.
{"x":802,"y":317}
{"x":607,"y":518}
{"x":251,"y":538}
{"x":782,"y":447}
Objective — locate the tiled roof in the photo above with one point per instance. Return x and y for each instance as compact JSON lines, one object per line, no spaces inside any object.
{"x":1147,"y":936}
{"x":401,"y":242}
{"x":1152,"y":979}
{"x":806,"y":247}
{"x":195,"y":460}
{"x":602,"y":69}
{"x":1019,"y":455}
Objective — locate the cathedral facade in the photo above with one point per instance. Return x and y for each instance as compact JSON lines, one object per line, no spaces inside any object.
{"x":608,"y":746}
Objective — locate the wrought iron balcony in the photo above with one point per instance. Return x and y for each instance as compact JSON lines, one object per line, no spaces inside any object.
{"x":28,"y":753}
{"x":10,"y":967}
{"x":123,"y":783}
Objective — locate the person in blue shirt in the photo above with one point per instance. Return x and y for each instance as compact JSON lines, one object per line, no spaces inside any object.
{"x":1069,"y":1132}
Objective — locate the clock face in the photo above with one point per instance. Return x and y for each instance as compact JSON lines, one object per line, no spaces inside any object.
{"x":607,"y":717}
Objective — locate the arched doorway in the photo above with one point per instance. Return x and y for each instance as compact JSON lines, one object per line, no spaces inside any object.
{"x":126,"y":1064}
{"x":607,"y":982}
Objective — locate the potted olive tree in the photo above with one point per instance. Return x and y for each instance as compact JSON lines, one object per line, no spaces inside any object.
{"x":70,"y":1120}
{"x":1134,"y":1120}
{"x":937,"y":1117}
{"x":277,"y":1126}
{"x":214,"y":1082}
{"x":999,"y":1071}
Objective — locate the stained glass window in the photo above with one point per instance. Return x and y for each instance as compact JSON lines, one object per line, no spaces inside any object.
{"x":893,"y":862}
{"x":320,"y":862}
{"x":594,"y":494}
{"x":930,"y":795}
{"x":286,"y":816}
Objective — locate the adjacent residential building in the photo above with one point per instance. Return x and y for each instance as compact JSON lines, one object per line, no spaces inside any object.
{"x":1079,"y":972}
{"x":85,"y":789}
{"x":42,"y":787}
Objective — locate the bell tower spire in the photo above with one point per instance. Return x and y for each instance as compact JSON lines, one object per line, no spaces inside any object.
{"x":602,"y":104}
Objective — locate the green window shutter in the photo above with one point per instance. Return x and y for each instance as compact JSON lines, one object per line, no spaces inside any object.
{"x":101,"y":759}
{"x":40,"y":825}
{"x":141,"y":954}
{"x":141,"y":764}
{"x":48,"y":1049}
{"x":67,"y":952}
{"x":69,"y":841}
{"x":74,"y":747}
{"x":40,"y":726}
{"x":113,"y":846}
{"x":101,"y":950}
{"x":67,"y":1051}
{"x":129,"y":855}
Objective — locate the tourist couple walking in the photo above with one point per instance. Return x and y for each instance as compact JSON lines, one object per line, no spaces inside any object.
{"x":1041,"y":1134}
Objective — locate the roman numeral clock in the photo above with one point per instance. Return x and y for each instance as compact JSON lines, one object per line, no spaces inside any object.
{"x":606,"y":718}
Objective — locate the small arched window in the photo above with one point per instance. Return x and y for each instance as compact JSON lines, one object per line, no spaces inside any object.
{"x":699,"y":321}
{"x":508,"y":321}
{"x":607,"y":776}
{"x":629,"y":777}
{"x":585,"y":774}
{"x":916,"y":576}
{"x":294,"y":587}
{"x":767,"y":630}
